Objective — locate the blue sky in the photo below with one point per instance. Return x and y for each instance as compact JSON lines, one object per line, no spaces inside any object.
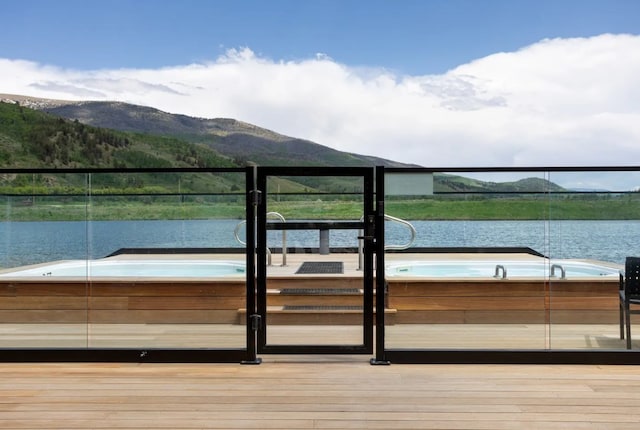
{"x":432,"y":82}
{"x":409,"y":36}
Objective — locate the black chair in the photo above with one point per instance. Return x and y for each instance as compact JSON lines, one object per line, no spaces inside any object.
{"x":629,"y":295}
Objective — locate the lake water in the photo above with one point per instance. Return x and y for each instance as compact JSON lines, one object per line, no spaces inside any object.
{"x":35,"y":242}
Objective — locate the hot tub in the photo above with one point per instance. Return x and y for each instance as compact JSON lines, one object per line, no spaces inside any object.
{"x":134,"y":268}
{"x":561,"y":269}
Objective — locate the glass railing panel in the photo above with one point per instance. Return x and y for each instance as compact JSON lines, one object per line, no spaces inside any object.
{"x":42,"y":228}
{"x":314,"y":291}
{"x":474,"y":277}
{"x":594,"y":225}
{"x":166,"y":268}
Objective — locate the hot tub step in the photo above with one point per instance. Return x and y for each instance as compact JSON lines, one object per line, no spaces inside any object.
{"x":320,"y":308}
{"x":320,"y":291}
{"x":318,"y":315}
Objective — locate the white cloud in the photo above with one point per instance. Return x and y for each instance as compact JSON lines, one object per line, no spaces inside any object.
{"x":559,"y":102}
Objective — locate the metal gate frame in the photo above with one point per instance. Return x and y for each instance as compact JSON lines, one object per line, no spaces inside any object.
{"x":260,"y":318}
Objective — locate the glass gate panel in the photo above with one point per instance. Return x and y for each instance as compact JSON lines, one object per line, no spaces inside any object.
{"x":315,"y":291}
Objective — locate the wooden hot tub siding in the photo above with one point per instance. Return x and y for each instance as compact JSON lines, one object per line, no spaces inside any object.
{"x":223,"y":301}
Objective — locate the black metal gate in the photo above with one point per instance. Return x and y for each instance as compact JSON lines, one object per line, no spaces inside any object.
{"x":315,"y":296}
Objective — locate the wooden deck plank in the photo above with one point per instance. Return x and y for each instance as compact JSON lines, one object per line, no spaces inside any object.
{"x":435,"y":334}
{"x":317,"y":392}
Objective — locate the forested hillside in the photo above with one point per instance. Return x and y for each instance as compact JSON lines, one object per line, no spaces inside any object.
{"x":31,"y":138}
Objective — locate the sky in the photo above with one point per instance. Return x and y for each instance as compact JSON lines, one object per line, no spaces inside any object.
{"x":455,"y":83}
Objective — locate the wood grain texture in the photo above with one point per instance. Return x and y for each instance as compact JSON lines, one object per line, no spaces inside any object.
{"x":317,"y":393}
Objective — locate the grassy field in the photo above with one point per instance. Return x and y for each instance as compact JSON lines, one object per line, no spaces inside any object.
{"x":622,"y":207}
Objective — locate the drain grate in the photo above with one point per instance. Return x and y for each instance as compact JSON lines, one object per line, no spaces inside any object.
{"x":321,"y":308}
{"x":319,"y":291}
{"x":320,"y":267}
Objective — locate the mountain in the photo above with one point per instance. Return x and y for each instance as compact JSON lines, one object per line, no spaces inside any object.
{"x":240,"y":141}
{"x":32,"y":138}
{"x":454,"y":183}
{"x":39,"y":132}
{"x":35,"y":139}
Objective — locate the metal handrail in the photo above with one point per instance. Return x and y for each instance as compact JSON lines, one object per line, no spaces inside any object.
{"x":407,"y":224}
{"x":497,"y":273}
{"x":237,"y":230}
{"x":558,"y":266}
{"x":284,"y":237}
{"x":388,"y":247}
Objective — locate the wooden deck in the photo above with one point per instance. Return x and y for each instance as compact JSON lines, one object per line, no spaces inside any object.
{"x":308,"y":392}
{"x":337,"y":392}
{"x":412,"y":336}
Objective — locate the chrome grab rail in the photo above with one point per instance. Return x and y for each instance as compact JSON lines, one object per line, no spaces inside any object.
{"x":497,"y":273}
{"x":237,"y":230}
{"x":407,"y":245}
{"x":284,"y":238}
{"x":405,"y":223}
{"x":557,"y":266}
